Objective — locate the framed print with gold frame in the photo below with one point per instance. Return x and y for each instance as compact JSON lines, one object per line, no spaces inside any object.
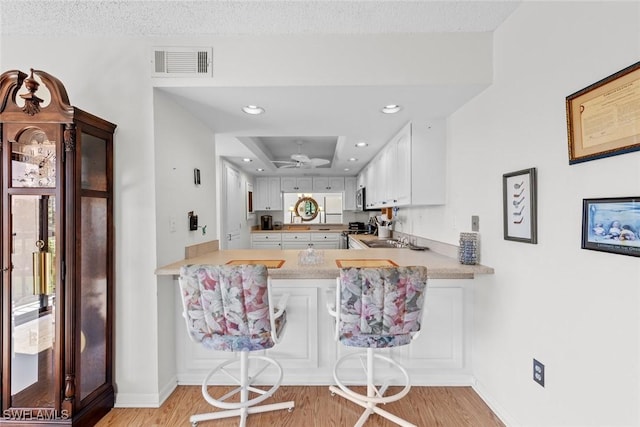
{"x":603,"y":119}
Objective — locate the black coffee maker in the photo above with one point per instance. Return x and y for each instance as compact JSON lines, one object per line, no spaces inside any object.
{"x":266,"y":222}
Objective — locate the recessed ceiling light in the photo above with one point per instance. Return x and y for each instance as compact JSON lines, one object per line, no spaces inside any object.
{"x":353,"y":159}
{"x":253,"y":109}
{"x":247,"y":160}
{"x":361,"y":144}
{"x":260,"y":170}
{"x":391,"y":109}
{"x":346,"y":169}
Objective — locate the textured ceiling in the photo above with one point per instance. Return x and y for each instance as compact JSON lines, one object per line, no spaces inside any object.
{"x":183,"y":17}
{"x":334,"y":118}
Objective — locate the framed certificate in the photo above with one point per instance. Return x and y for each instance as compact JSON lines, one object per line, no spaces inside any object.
{"x":603,"y":119}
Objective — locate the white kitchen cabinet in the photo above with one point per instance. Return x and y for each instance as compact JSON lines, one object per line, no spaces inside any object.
{"x":266,"y":240}
{"x":299,"y":350}
{"x":295,"y":240}
{"x":428,"y":162}
{"x":267,"y":195}
{"x":328,"y":184}
{"x":374,"y":183}
{"x":355,"y":244}
{"x":349,"y":199}
{"x":401,"y":192}
{"x":361,"y":180}
{"x":410,"y":169}
{"x":325,"y":240}
{"x":292,"y":184}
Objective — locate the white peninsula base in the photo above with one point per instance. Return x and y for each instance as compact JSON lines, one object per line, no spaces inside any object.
{"x":439,"y":356}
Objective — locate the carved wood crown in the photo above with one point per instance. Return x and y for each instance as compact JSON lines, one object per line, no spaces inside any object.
{"x":11,"y":83}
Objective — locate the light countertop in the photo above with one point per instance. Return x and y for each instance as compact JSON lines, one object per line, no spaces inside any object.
{"x":293,"y":229}
{"x":438,"y":266}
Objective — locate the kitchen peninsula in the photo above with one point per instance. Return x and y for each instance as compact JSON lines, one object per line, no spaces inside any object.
{"x":439,"y":356}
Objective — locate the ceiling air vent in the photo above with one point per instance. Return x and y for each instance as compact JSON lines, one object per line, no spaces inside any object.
{"x":182,"y":62}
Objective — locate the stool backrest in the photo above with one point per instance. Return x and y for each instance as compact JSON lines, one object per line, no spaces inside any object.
{"x":227,"y":306}
{"x":381,"y":307}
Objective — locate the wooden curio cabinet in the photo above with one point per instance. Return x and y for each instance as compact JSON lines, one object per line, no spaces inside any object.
{"x":57,"y":260}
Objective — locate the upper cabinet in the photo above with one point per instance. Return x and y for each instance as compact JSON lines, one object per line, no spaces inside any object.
{"x":328,"y":184}
{"x":292,"y":184}
{"x":410,"y":169}
{"x":268,"y":195}
{"x":349,"y":199}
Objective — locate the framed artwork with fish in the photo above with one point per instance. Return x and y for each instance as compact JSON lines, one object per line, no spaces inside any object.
{"x":519,"y":199}
{"x":612,"y":225}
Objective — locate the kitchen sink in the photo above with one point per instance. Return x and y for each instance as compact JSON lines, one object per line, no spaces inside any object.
{"x":393,"y":244}
{"x":388,"y":243}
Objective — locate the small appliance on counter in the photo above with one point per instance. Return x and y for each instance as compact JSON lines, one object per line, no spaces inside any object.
{"x":357,"y":226}
{"x":266,"y":222}
{"x":277,"y":225}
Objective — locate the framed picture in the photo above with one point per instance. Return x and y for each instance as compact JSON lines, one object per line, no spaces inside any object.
{"x":612,"y":225}
{"x":520,"y":206}
{"x":604,"y":119}
{"x":250,"y":212}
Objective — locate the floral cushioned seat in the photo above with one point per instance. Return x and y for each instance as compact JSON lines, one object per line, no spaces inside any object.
{"x":227,"y":307}
{"x":381,"y":307}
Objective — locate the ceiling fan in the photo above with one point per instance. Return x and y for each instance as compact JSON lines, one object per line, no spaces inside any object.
{"x":300,"y":160}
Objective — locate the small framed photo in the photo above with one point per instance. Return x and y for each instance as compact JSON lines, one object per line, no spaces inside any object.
{"x":612,"y":225}
{"x":520,"y":206}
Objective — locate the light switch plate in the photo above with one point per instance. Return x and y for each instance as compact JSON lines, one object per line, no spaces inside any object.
{"x":475,"y":223}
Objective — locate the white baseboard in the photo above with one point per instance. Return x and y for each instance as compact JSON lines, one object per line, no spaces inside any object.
{"x":146,"y":400}
{"x":497,"y":409}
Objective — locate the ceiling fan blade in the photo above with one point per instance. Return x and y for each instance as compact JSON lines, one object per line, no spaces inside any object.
{"x":319,"y":162}
{"x":290,"y":165}
{"x":300,"y":158}
{"x":287,"y":162}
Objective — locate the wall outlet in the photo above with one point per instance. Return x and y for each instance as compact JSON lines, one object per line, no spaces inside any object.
{"x":538,"y":372}
{"x":475,"y":223}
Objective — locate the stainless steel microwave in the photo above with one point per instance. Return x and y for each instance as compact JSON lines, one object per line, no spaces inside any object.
{"x":360,"y":200}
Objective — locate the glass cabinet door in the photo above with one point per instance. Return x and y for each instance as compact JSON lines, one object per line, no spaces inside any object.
{"x":94,"y":267}
{"x":31,"y":250}
{"x":33,"y":257}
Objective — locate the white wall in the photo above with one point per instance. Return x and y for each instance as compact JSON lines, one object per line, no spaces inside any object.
{"x":181,"y":144}
{"x":574,"y":310}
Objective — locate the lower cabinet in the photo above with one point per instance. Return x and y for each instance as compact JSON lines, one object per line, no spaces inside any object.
{"x":271,"y":240}
{"x":325,"y":240}
{"x":437,"y":355}
{"x":266,"y":241}
{"x":308,"y":350}
{"x":295,"y":240}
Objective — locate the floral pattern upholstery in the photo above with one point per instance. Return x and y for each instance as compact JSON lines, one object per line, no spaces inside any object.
{"x":381,"y":307}
{"x":227,"y":307}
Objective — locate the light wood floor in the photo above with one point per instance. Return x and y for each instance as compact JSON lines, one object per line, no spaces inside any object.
{"x":315,"y":407}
